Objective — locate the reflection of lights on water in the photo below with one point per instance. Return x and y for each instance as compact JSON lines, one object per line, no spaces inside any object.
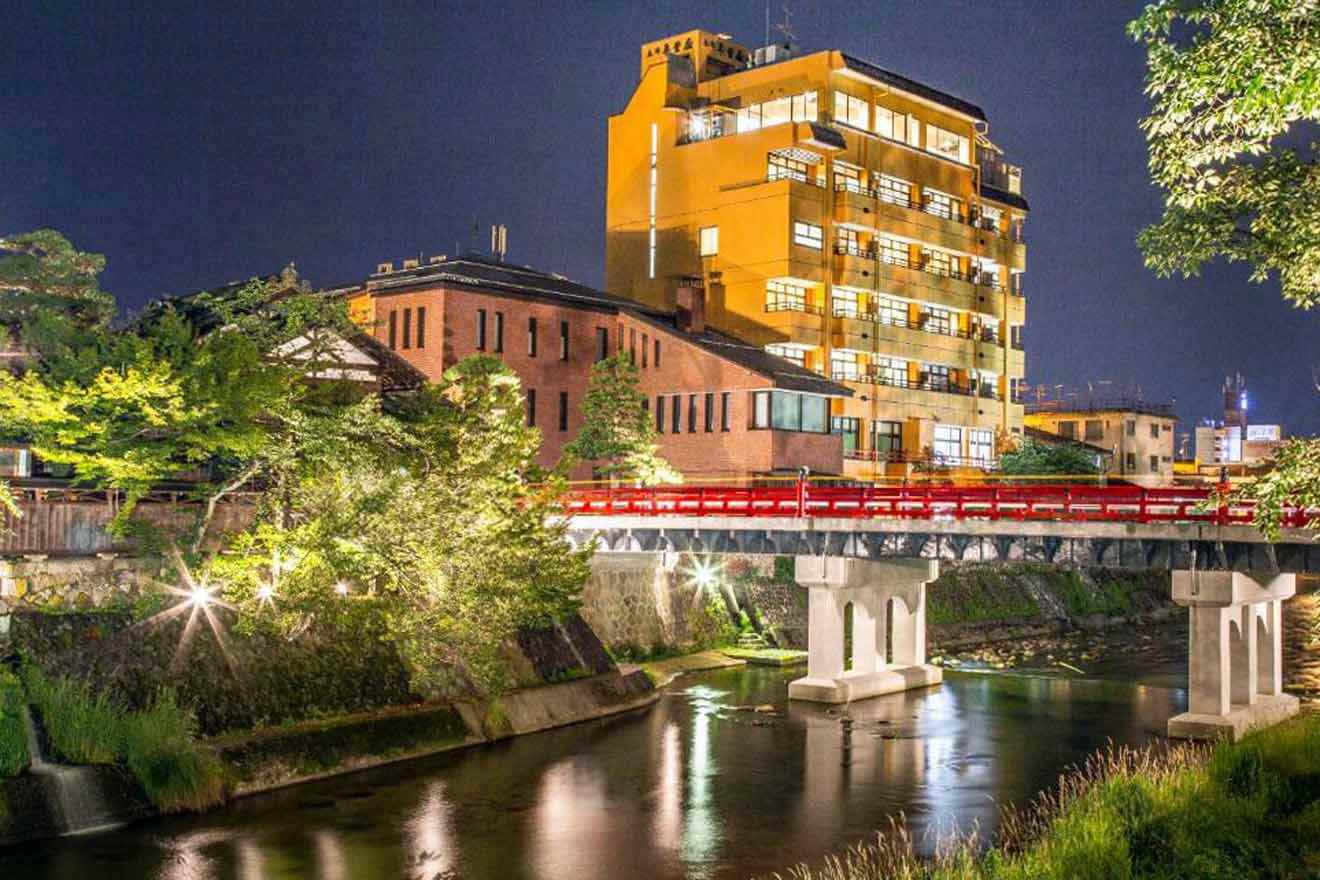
{"x":701,"y":830}
{"x":431,"y":833}
{"x":330,"y":861}
{"x":669,"y":811}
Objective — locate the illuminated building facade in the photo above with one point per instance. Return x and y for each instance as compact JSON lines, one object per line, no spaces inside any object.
{"x":851,"y":220}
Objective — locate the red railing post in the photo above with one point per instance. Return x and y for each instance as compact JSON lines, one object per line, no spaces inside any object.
{"x":802,"y":493}
{"x":1223,"y":489}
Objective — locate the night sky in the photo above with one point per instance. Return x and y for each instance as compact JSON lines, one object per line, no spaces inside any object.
{"x":197,"y":146}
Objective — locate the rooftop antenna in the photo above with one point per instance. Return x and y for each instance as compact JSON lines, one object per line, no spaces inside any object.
{"x":786,"y":28}
{"x":767,"y":23}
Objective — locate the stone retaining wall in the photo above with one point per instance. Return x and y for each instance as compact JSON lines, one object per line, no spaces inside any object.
{"x":638,"y":606}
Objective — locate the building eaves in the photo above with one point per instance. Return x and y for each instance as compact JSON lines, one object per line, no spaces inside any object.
{"x":1004,"y":197}
{"x":912,"y":87}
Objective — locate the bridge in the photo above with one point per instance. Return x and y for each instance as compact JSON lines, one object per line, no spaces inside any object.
{"x":873,"y":550}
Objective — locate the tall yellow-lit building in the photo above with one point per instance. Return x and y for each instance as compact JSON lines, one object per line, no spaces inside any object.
{"x":847,"y":218}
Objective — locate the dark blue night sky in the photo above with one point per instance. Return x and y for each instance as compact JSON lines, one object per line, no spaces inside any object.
{"x":198,"y":145}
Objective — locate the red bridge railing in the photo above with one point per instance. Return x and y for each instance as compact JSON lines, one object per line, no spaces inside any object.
{"x":1056,"y":503}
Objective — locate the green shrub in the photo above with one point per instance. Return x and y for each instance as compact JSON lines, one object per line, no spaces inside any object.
{"x":157,"y":745}
{"x":13,"y":728}
{"x":81,"y":728}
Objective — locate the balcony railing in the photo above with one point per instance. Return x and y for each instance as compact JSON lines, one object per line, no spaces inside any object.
{"x":791,"y":305}
{"x":925,"y":383}
{"x":772,"y":174}
{"x":982,"y":334}
{"x":900,"y":456}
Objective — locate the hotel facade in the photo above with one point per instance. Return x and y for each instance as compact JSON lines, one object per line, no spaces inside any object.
{"x":853,"y":221}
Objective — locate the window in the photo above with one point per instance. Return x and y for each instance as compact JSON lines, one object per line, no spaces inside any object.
{"x":939,"y":262}
{"x":1094,"y":430}
{"x":1130,"y":462}
{"x":1155,"y":431}
{"x":790,"y":353}
{"x":1154,"y":464}
{"x":888,"y":310}
{"x":991,"y":218}
{"x":645,"y":345}
{"x":981,"y":446}
{"x":790,"y":411}
{"x":843,"y":366}
{"x":659,"y":413}
{"x":847,"y":177}
{"x":804,"y":107}
{"x":421,"y":326}
{"x":942,"y":205}
{"x":1068,"y":430}
{"x":851,"y":111}
{"x":531,"y":337}
{"x":531,"y":407}
{"x":947,"y":143}
{"x":563,"y":340}
{"x":726,"y":404}
{"x":891,"y":250}
{"x":692,"y":413}
{"x":499,"y":331}
{"x":889,"y":371}
{"x":676,"y":420}
{"x":936,"y":377}
{"x":896,"y":126}
{"x":846,"y":241}
{"x":710,"y":412}
{"x":563,"y":411}
{"x":394,"y":329}
{"x":845,"y":303}
{"x":710,"y":241}
{"x":407,"y":328}
{"x":481,"y":330}
{"x":887,"y":440}
{"x":1130,"y":427}
{"x":948,"y":443}
{"x":894,"y":190}
{"x":656,"y":360}
{"x":808,"y":235}
{"x":602,"y":343}
{"x":850,"y":429}
{"x":1015,"y":336}
{"x":938,"y":320}
{"x":784,"y":296}
{"x":632,"y":344}
{"x":781,"y":167}
{"x":776,"y":111}
{"x":798,"y":108}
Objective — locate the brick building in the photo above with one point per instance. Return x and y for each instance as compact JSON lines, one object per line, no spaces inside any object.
{"x":722,"y":407}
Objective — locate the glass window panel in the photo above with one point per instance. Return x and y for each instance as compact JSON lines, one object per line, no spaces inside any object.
{"x":786,"y":411}
{"x":815,"y":414}
{"x":775,"y":112}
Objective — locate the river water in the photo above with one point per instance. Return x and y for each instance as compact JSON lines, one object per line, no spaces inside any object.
{"x":694,"y":787}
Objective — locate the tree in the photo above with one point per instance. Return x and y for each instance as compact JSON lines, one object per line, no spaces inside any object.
{"x":617,"y":430}
{"x":1033,"y":458}
{"x":1230,"y":80}
{"x":434,"y":516}
{"x":42,"y":273}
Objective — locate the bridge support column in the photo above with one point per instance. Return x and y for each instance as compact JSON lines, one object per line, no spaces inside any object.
{"x":892,"y":591}
{"x":1235,"y":650}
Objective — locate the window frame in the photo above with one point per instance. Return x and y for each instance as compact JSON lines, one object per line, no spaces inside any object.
{"x":708,"y":238}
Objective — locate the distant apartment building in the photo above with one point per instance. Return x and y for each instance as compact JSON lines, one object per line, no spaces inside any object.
{"x":1138,"y":435}
{"x":722,"y":407}
{"x":844,"y":217}
{"x":1234,"y":441}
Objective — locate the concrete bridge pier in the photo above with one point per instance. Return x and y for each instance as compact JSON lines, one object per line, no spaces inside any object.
{"x":1235,"y":652}
{"x":885,"y":596}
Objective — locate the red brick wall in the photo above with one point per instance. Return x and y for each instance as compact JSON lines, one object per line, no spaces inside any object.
{"x":451,"y":335}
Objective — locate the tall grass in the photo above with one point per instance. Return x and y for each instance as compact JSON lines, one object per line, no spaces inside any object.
{"x":1245,"y":810}
{"x":157,"y":745}
{"x":13,"y":731}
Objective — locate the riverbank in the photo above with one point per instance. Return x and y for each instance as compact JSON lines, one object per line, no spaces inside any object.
{"x":1250,"y":809}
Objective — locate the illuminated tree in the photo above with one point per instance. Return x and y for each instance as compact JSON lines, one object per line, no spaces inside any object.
{"x":617,"y":432}
{"x":1033,"y":458}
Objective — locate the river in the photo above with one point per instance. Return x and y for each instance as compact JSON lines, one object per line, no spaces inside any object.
{"x":699,"y":786}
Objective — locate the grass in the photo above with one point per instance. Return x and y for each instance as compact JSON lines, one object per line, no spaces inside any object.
{"x":1111,"y":597}
{"x":157,"y":745}
{"x":1230,"y":811}
{"x":13,"y":731}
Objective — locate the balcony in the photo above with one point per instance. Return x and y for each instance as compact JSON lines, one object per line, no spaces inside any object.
{"x":888,"y":319}
{"x":925,"y":383}
{"x":793,"y":305}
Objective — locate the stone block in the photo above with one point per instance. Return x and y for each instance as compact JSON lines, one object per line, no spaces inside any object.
{"x":1237,"y":722}
{"x":861,"y":685}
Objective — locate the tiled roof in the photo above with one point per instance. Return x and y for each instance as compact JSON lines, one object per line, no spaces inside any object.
{"x":912,"y":87}
{"x":483,"y":273}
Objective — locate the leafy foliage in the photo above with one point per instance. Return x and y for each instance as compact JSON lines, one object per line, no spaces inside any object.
{"x":617,"y":430}
{"x":1293,"y":481}
{"x":13,"y":732}
{"x":1230,"y":80}
{"x":41,"y":274}
{"x":435,"y":514}
{"x":1033,"y":458}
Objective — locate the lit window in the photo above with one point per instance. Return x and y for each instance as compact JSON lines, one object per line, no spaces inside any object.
{"x":789,"y":353}
{"x":888,"y":310}
{"x":936,"y":377}
{"x":784,"y":296}
{"x":850,"y":111}
{"x":889,"y":371}
{"x":887,"y":440}
{"x":939,"y":262}
{"x":948,"y":443}
{"x":942,"y":205}
{"x":980,"y":446}
{"x":891,"y":250}
{"x":845,"y":303}
{"x":937,"y":320}
{"x":776,"y":111}
{"x":808,"y":235}
{"x":780,"y":167}
{"x":710,"y":241}
{"x":847,"y":177}
{"x":843,"y":366}
{"x":894,"y":190}
{"x":947,"y":143}
{"x":896,"y":126}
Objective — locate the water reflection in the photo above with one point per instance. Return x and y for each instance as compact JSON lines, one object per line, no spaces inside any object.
{"x":694,"y":787}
